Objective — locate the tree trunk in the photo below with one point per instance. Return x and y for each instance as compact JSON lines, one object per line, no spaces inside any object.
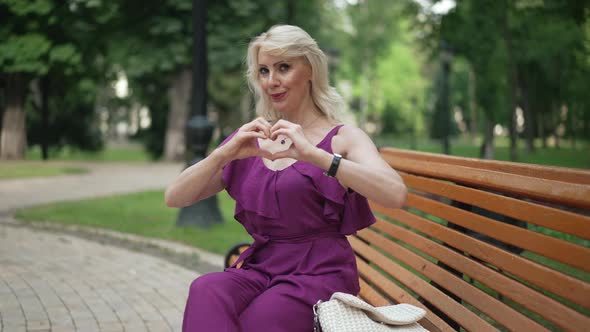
{"x":542,"y":131}
{"x":291,"y":10}
{"x":513,"y":81}
{"x":487,"y":147}
{"x":513,"y":136}
{"x":472,"y":104}
{"x":572,"y":125}
{"x":529,"y":120}
{"x":44,"y":117}
{"x":179,"y":101}
{"x":13,"y":139}
{"x":556,"y":121}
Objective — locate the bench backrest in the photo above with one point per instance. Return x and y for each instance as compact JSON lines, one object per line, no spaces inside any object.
{"x":484,"y":245}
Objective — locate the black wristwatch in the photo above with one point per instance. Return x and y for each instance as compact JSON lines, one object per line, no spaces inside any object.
{"x":334,"y":167}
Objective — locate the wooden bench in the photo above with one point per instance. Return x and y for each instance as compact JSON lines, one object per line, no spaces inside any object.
{"x":481,"y":245}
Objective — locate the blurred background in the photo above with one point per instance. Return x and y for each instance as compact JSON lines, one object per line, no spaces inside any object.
{"x":103,"y":103}
{"x":113,"y":79}
{"x":89,"y":81}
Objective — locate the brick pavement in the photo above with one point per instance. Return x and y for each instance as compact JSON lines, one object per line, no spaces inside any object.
{"x":60,"y":283}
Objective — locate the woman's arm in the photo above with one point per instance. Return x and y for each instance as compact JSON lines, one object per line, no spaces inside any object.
{"x":204,"y":178}
{"x":362,"y":168}
{"x":197,"y":182}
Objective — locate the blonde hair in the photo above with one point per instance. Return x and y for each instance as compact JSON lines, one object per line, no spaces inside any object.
{"x":292,"y":41}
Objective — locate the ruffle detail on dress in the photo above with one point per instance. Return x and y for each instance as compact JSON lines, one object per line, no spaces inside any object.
{"x":346,"y":205}
{"x":250,"y":197}
{"x":235,"y":175}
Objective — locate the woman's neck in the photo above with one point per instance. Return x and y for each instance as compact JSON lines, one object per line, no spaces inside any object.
{"x":306,"y":114}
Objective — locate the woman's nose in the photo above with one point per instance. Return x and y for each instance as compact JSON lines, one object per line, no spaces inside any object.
{"x":273,"y":79}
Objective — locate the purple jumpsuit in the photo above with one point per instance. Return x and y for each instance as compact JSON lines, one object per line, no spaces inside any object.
{"x":298,"y":218}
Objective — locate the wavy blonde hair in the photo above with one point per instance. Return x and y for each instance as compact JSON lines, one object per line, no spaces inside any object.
{"x":292,"y":42}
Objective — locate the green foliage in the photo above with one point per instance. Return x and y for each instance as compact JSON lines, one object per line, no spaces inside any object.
{"x":536,"y":52}
{"x":401,"y":86}
{"x":24,"y":54}
{"x":379,"y":58}
{"x":66,"y":54}
{"x":23,"y":8}
{"x":57,"y":45}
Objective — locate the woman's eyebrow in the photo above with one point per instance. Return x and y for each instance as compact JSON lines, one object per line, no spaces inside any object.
{"x":274,"y":64}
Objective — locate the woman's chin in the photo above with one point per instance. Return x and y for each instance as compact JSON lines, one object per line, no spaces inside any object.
{"x":279,"y":106}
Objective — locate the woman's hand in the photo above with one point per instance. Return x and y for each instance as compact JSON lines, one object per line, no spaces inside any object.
{"x":243,"y":144}
{"x":300,"y":149}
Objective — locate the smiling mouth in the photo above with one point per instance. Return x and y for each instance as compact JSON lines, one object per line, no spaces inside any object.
{"x":278,"y":96}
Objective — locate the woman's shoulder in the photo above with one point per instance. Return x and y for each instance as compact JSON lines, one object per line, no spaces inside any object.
{"x":351,"y":133}
{"x":346,"y":137}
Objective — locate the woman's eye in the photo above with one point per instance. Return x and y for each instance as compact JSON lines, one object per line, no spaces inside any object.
{"x":284,"y":67}
{"x":263,"y":71}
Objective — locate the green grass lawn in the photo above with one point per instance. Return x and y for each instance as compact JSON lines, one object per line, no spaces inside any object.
{"x":143,"y":214}
{"x":33,"y":166}
{"x":27,"y":169}
{"x":131,"y":153}
{"x":565,"y":156}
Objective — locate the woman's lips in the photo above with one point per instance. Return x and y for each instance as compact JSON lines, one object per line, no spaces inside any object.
{"x":278,"y":96}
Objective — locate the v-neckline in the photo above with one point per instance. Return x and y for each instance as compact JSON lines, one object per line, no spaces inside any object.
{"x":261,"y":159}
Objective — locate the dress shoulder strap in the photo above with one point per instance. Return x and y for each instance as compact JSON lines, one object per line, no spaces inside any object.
{"x":326,"y":143}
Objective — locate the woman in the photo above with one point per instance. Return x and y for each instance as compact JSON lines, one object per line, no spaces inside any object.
{"x":301,"y":182}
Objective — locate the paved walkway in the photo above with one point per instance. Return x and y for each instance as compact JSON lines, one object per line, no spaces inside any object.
{"x":102,"y":180}
{"x":57,"y":282}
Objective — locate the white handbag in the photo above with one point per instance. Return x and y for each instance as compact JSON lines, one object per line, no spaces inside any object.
{"x":347,"y":313}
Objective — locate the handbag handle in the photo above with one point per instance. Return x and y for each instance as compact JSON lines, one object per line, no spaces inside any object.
{"x":316,"y":317}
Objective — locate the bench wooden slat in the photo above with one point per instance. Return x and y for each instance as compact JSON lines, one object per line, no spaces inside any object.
{"x":547,"y":307}
{"x":559,"y":250}
{"x":386,"y":286}
{"x":443,"y":302}
{"x":397,"y":293}
{"x":567,"y":287}
{"x":552,"y":218}
{"x":484,"y":302}
{"x":565,"y":193}
{"x":370,"y":295}
{"x":563,"y":174}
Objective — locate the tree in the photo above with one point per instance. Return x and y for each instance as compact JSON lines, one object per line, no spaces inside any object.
{"x":514,"y":65}
{"x":42,"y":46}
{"x":375,"y":25}
{"x":24,"y":52}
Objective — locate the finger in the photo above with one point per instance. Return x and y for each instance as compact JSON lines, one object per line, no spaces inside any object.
{"x":282,"y":131}
{"x":284,"y":154}
{"x":264,"y":154}
{"x":259,"y":127}
{"x":254,"y":134}
{"x":265,"y":124}
{"x":281,"y":124}
{"x":263,"y":120}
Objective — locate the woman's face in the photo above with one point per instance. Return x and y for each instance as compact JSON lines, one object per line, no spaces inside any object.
{"x":284,"y":80}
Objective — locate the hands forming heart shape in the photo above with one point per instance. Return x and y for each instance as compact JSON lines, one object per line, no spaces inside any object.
{"x":246,"y":142}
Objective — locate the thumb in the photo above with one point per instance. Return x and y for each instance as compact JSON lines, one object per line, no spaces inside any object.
{"x":282,"y":154}
{"x":265,"y":154}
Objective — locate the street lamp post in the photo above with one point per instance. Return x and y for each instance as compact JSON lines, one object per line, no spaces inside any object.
{"x":199,"y":130}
